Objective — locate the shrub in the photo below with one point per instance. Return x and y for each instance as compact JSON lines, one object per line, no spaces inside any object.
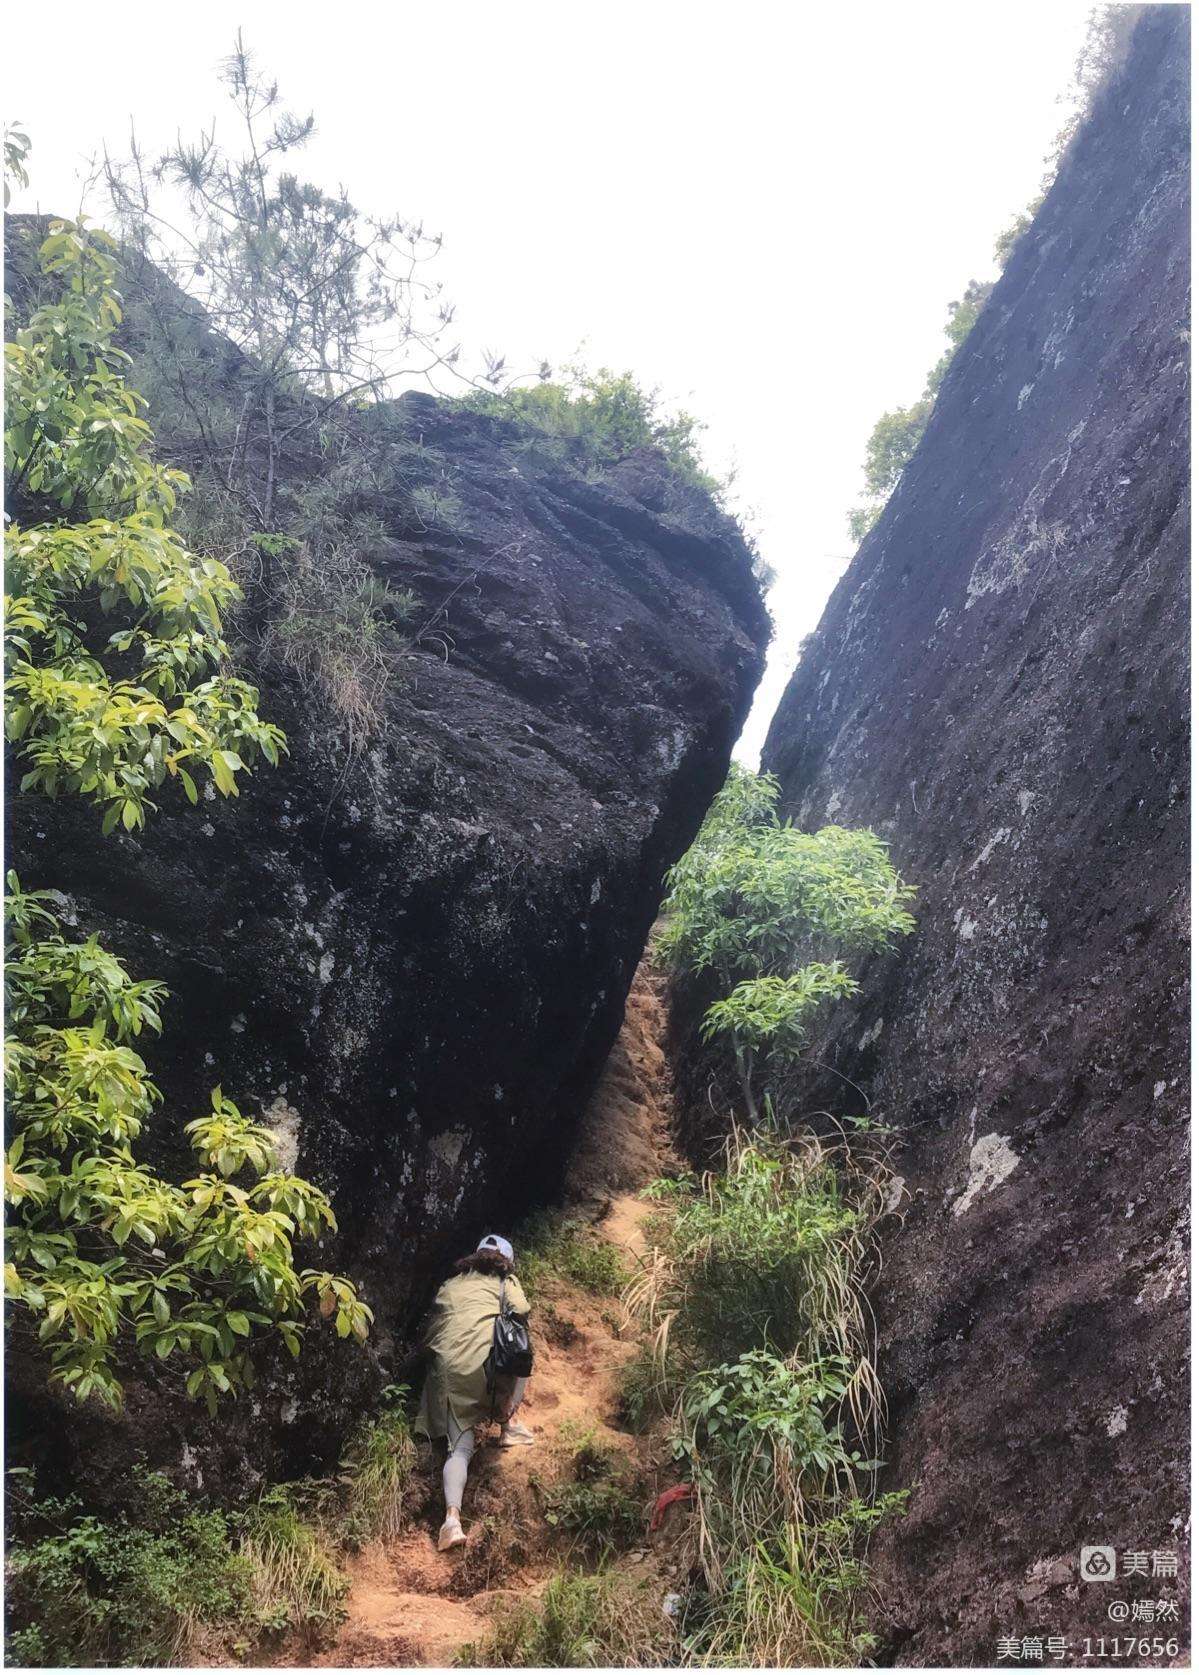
{"x":769,"y":910}
{"x":595,"y":1504}
{"x":174,"y":1581}
{"x":581,"y":1621}
{"x":601,"y":418}
{"x":89,"y":1227}
{"x":83,"y":1590}
{"x":112,"y":720}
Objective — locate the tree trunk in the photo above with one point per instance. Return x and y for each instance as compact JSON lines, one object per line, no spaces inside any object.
{"x":745,"y":1070}
{"x":239,"y":438}
{"x":272,"y":449}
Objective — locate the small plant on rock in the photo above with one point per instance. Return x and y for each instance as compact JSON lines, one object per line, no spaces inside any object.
{"x":771,"y":911}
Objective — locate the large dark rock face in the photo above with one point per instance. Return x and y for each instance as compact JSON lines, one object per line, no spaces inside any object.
{"x":999,"y":686}
{"x":413,"y":964}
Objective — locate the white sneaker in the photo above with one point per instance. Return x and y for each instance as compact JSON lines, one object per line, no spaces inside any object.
{"x":450,"y":1535}
{"x":516,"y":1435}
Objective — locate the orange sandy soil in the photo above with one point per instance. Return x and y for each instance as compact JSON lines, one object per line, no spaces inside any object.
{"x":411,"y":1606}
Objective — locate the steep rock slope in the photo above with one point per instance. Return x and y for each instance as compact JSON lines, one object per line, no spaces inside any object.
{"x":999,"y":686}
{"x":413,"y":963}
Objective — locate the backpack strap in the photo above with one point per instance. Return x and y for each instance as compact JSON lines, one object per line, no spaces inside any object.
{"x":491,"y":1383}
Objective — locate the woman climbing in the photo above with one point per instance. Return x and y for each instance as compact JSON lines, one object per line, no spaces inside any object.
{"x":457,"y":1402}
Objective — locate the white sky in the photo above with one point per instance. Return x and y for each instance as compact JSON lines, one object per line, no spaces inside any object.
{"x":764,"y":209}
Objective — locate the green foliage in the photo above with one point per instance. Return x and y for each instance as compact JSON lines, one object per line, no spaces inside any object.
{"x":109,"y":717}
{"x":376,"y":1472}
{"x":774,"y":1012}
{"x":762,"y":1414}
{"x":83,"y":1590}
{"x":101,"y":1252}
{"x":595,"y":1505}
{"x":554,"y":1247}
{"x":100,"y":1249}
{"x":753,"y":1308}
{"x":173,"y":1581}
{"x":601,"y":418}
{"x":581,"y":1621}
{"x":762,"y":905}
{"x":16,"y":151}
{"x":754,"y":893}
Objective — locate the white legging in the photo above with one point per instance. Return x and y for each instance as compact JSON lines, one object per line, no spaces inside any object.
{"x":461,"y":1445}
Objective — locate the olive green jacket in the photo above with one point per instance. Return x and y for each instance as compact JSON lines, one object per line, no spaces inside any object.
{"x":459,"y":1336}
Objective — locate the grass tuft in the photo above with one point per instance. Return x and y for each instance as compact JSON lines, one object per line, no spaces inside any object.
{"x":553,"y":1247}
{"x":335,"y":626}
{"x":581,"y":1621}
{"x":296,"y":1579}
{"x":759,"y":1345}
{"x":377,"y":1472}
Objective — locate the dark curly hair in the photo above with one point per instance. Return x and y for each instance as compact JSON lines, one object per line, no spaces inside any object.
{"x":485,"y":1262}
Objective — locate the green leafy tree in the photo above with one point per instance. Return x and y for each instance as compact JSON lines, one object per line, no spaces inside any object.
{"x":897,"y":434}
{"x":101,"y":1252}
{"x":16,"y":150}
{"x":771,"y":910}
{"x":110,"y":716}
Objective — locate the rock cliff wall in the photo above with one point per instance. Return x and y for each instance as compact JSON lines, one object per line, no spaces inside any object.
{"x":414,"y":962}
{"x":999,"y":686}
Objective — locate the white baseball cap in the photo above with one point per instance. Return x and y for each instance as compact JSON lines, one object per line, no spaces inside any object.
{"x":492,"y":1241}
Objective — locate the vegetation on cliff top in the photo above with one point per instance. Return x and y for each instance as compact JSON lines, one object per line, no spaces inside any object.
{"x":601,"y":418}
{"x":329,"y":312}
{"x":897,"y":433}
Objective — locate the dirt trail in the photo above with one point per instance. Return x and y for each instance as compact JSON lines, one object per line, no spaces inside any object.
{"x":412,"y":1606}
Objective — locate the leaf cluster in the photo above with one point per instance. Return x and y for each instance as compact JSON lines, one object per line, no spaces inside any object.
{"x":112,"y":716}
{"x":84,"y":1590}
{"x":99,"y":1248}
{"x":763,"y":906}
{"x":601,"y":418}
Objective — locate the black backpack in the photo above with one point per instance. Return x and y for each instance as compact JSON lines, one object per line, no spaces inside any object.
{"x":511,"y":1352}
